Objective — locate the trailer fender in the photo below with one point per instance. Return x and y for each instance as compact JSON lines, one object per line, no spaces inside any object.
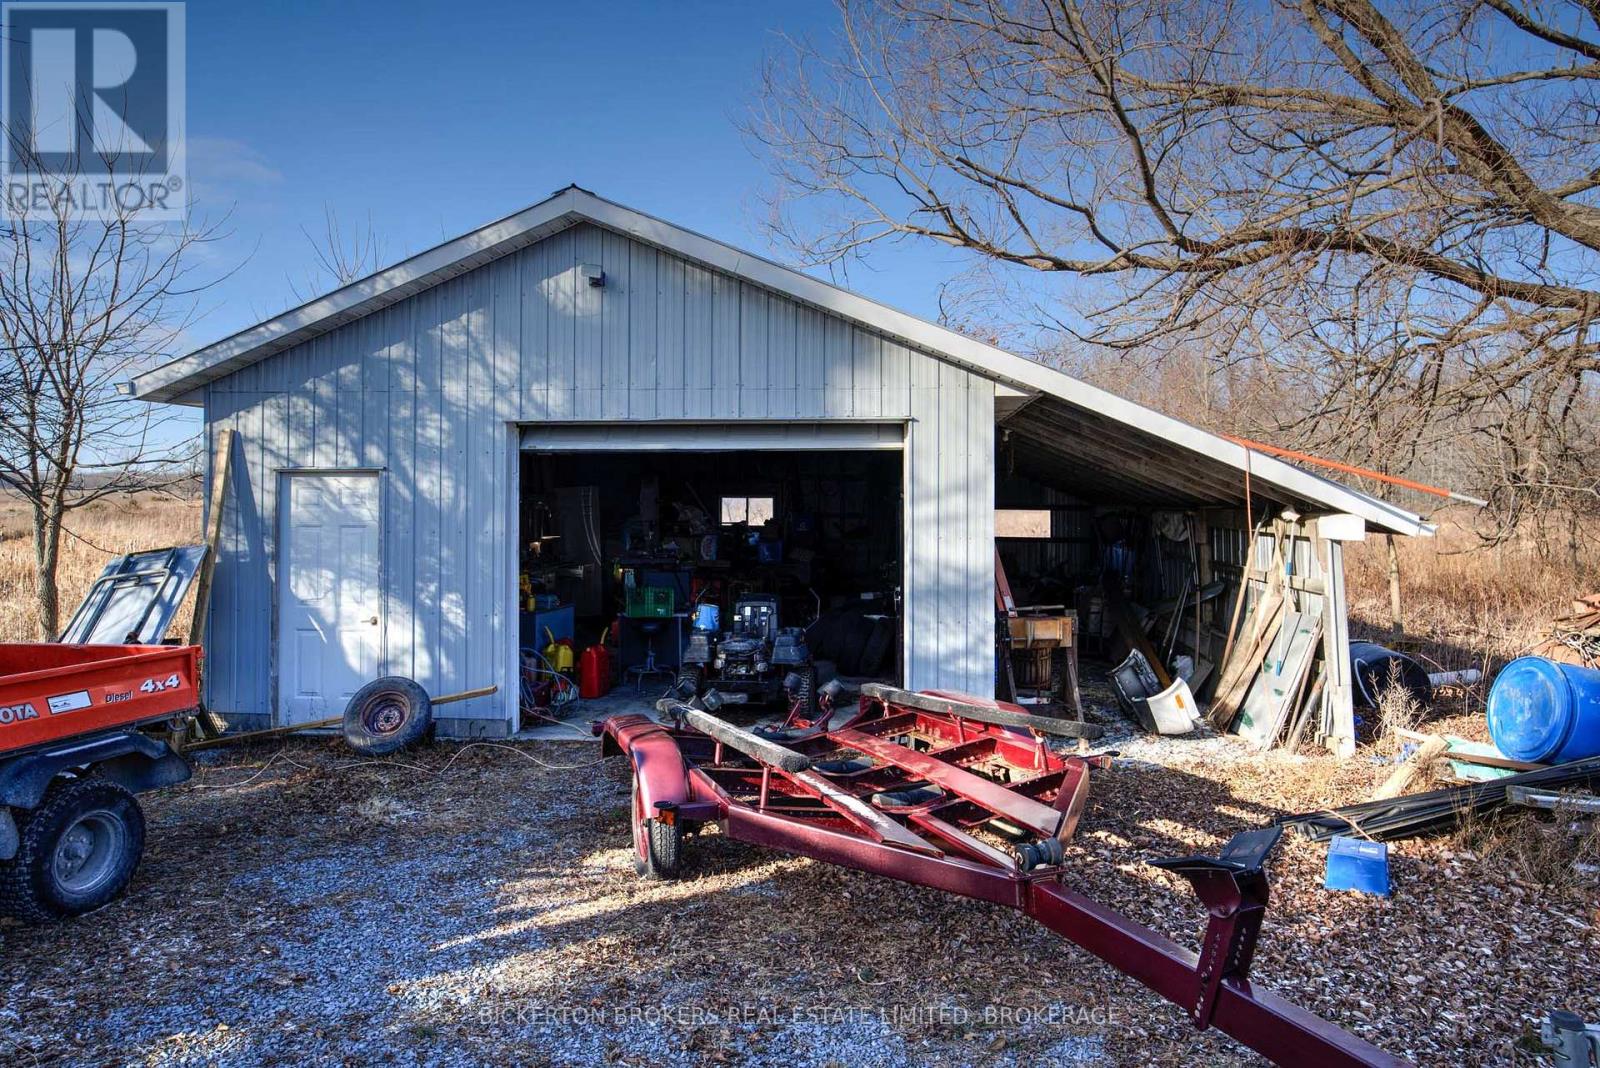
{"x":658,"y":763}
{"x":8,"y":835}
{"x":134,"y":761}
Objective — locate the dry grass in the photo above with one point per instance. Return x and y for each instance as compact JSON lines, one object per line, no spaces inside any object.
{"x":1464,"y":605}
{"x":1558,"y":852}
{"x":1468,"y":606}
{"x":119,"y":524}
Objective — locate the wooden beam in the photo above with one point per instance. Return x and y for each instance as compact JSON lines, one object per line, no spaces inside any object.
{"x":737,"y":738}
{"x":1417,"y":762}
{"x":1339,"y":694}
{"x":220,"y":467}
{"x":981,"y":713}
{"x":207,"y":722}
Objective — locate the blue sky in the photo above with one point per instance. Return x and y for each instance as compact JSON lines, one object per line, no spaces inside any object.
{"x":430,"y":119}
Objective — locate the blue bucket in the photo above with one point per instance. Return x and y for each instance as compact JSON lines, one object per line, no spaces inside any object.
{"x":707,"y":617}
{"x":1545,"y":712}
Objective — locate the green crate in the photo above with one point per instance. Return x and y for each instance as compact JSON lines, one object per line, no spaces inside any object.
{"x":650,"y":602}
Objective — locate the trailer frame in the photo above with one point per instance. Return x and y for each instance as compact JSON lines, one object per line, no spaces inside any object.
{"x":945,"y":790}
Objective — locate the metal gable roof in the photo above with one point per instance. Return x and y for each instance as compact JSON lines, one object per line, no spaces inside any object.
{"x":1128,"y":446}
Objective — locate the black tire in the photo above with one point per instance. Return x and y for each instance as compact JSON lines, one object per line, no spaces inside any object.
{"x":387,"y":715}
{"x":688,"y":683}
{"x":78,"y":851}
{"x":805,"y":695}
{"x":657,"y":846}
{"x":879,"y":644}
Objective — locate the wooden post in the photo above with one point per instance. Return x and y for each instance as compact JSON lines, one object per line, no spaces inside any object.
{"x":220,"y":466}
{"x":208,"y":722}
{"x":1397,"y":627}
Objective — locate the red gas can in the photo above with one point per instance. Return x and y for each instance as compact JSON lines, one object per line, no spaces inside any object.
{"x":594,"y":672}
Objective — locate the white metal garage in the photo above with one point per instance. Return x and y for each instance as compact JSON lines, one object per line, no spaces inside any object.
{"x":582,"y":325}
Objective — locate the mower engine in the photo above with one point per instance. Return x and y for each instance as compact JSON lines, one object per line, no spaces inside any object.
{"x":749,"y":662}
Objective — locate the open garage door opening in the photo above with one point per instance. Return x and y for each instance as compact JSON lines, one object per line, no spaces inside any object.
{"x":643,"y":567}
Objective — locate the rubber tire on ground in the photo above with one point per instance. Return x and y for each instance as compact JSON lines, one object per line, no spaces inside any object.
{"x":387,"y":715}
{"x":687,"y":677}
{"x":657,"y":846}
{"x":29,"y":888}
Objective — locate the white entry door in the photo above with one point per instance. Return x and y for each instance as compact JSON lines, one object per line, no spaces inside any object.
{"x":330,"y":618}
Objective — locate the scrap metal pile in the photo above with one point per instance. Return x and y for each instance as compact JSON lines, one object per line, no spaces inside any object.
{"x":955,"y":793}
{"x":1575,"y":637}
{"x":1437,"y":811}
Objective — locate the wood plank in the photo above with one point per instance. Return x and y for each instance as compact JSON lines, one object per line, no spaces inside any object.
{"x":221,"y":466}
{"x":1310,"y":708}
{"x":1417,"y":762}
{"x":762,"y":749}
{"x":981,"y":711}
{"x":1130,"y":630}
{"x":1239,"y":672}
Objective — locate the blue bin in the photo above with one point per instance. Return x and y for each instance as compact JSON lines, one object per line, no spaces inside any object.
{"x":1545,"y":712}
{"x":707,"y":617}
{"x":1356,"y":864}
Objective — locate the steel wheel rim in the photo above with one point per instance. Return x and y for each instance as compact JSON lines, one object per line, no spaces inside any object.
{"x":641,"y":840}
{"x":85,"y":858}
{"x":385,"y":713}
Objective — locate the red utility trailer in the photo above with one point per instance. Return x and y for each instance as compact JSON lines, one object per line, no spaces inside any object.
{"x":75,"y":738}
{"x":957,"y":793}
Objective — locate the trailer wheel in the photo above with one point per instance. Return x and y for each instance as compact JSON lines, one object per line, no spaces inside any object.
{"x":78,"y":851}
{"x":386,"y":716}
{"x":657,"y":846}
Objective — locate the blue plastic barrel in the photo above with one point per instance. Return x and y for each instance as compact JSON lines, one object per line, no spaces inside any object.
{"x":706,"y":617}
{"x":1545,"y":712}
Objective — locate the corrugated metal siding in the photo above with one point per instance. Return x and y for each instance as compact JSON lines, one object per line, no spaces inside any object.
{"x":428,"y":389}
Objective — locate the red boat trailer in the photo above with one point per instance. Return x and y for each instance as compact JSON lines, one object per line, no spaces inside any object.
{"x":956,"y":793}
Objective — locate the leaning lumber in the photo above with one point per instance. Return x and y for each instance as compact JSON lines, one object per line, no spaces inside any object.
{"x":1129,"y":628}
{"x":1238,"y":674}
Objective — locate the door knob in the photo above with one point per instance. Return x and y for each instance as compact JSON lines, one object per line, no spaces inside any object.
{"x":373,"y":621}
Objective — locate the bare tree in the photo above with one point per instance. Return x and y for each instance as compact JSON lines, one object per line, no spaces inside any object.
{"x":85,"y":303}
{"x":1393,"y":208}
{"x":341,"y":254}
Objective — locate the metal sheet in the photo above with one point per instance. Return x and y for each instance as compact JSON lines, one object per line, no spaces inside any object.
{"x":135,"y":598}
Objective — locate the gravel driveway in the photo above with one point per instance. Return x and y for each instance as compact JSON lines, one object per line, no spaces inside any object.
{"x":476,"y":905}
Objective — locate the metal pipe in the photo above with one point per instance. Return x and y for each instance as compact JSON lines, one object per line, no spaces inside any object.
{"x":1349,"y":469}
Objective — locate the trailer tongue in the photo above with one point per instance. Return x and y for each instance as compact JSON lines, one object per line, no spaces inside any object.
{"x":944,"y":790}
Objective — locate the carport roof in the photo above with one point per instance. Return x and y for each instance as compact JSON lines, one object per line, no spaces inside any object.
{"x":1078,"y":435}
